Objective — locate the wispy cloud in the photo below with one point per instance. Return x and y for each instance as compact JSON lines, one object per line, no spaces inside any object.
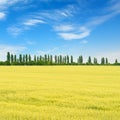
{"x":64,"y":28}
{"x":82,"y":33}
{"x":2,"y":15}
{"x":26,"y":25}
{"x":110,"y":12}
{"x":5,"y":4}
{"x":32,"y":22}
{"x":63,"y":20}
{"x":114,"y":5}
{"x":14,"y":30}
{"x":98,"y":20}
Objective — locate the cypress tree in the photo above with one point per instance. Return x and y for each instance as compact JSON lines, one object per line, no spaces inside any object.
{"x":51,"y":59}
{"x":12,"y":58}
{"x":20,"y":58}
{"x":106,"y":61}
{"x":71,"y":59}
{"x":29,"y":58}
{"x":48,"y":58}
{"x":15,"y":58}
{"x":26,"y":57}
{"x":89,"y":60}
{"x":35,"y":59}
{"x":61,"y":59}
{"x":80,"y":60}
{"x":67,"y":59}
{"x":102,"y":61}
{"x":8,"y":57}
{"x":38,"y":59}
{"x":41,"y":58}
{"x":95,"y":61}
{"x":45,"y":58}
{"x":116,"y":61}
{"x":24,"y":60}
{"x":56,"y":60}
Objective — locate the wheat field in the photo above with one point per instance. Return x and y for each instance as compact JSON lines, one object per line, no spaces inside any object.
{"x":60,"y":93}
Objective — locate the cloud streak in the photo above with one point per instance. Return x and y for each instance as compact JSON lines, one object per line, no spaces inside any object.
{"x":2,"y":15}
{"x":74,"y":36}
{"x":32,"y":22}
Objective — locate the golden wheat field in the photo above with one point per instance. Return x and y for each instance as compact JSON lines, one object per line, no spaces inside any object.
{"x":60,"y":93}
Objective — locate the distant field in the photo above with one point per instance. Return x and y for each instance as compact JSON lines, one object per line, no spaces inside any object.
{"x":60,"y":93}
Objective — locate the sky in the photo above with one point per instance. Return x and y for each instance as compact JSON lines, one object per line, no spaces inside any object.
{"x":62,"y":27}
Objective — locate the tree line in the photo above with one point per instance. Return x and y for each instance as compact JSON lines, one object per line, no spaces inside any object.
{"x":21,"y":59}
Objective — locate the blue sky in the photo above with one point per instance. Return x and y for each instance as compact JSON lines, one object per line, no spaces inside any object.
{"x":73,"y":27}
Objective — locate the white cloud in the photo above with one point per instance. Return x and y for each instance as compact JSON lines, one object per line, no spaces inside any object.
{"x":82,"y":33}
{"x":32,"y":22}
{"x":10,"y":48}
{"x":64,"y":28}
{"x":18,"y":29}
{"x":57,"y":15}
{"x":115,"y":5}
{"x":11,"y":2}
{"x":95,"y":21}
{"x":2,"y":2}
{"x":14,"y":30}
{"x":2,"y":15}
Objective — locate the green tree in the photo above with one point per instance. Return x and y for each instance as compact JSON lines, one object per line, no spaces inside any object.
{"x":116,"y":61}
{"x":61,"y":59}
{"x":67,"y":59}
{"x":56,"y":59}
{"x":71,"y":59}
{"x":45,"y":58}
{"x":38,"y":59}
{"x":48,"y":59}
{"x":102,"y":61}
{"x":15,"y":58}
{"x":41,"y":58}
{"x":89,"y":60}
{"x":29,"y":58}
{"x":106,"y":60}
{"x":95,"y":61}
{"x":20,"y":58}
{"x":80,"y":60}
{"x":12,"y":58}
{"x":24,"y":59}
{"x":51,"y":59}
{"x":35,"y":59}
{"x":8,"y":57}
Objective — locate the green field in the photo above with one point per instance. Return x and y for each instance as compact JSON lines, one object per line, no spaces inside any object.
{"x":60,"y":93}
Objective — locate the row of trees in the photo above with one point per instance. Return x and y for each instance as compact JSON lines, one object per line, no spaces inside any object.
{"x":52,"y":60}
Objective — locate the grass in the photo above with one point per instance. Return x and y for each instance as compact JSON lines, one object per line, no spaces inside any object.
{"x":60,"y":93}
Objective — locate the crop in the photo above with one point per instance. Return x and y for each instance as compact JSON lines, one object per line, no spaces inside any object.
{"x":60,"y":93}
